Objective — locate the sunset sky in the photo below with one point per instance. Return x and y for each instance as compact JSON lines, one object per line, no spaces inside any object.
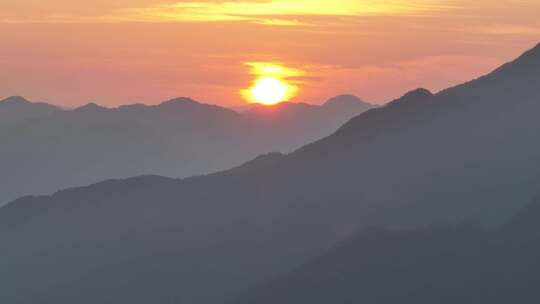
{"x":71,"y":52}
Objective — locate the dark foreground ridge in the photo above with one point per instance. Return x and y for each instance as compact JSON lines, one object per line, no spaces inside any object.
{"x":435,"y":264}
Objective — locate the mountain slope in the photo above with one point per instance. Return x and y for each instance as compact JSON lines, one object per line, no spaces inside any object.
{"x":438,"y":264}
{"x":463,"y":154}
{"x":435,"y":264}
{"x":178,"y":138}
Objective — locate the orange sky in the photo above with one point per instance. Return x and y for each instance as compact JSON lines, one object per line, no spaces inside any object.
{"x":71,"y":52}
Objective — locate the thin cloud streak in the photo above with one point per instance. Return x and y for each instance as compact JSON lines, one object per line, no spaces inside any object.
{"x":271,"y":12}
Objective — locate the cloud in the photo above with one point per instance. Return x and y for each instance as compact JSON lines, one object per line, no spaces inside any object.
{"x":274,"y":69}
{"x":273,"y":9}
{"x":268,"y":12}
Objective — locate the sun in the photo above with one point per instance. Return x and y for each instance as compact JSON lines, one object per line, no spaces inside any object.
{"x":274,"y":83}
{"x":269,"y":91}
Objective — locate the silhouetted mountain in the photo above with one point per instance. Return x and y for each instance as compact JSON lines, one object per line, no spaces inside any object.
{"x":436,"y":264}
{"x":297,"y":119}
{"x":16,"y":109}
{"x":467,"y":153}
{"x":347,"y":102}
{"x":179,"y":138}
{"x":344,"y":104}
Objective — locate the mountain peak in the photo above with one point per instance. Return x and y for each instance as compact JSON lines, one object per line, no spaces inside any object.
{"x":345,"y":99}
{"x":419,"y":93}
{"x":16,"y":109}
{"x":179,"y":101}
{"x":15,"y":100}
{"x":417,"y":96}
{"x":90,"y":107}
{"x":189,"y":105}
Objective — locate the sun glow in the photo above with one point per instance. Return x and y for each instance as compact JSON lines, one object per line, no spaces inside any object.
{"x":274,"y":83}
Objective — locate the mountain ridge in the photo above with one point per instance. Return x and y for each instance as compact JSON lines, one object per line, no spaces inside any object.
{"x":93,"y":142}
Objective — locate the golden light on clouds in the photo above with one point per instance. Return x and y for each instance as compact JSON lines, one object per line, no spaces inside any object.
{"x":274,"y":83}
{"x":267,"y":12}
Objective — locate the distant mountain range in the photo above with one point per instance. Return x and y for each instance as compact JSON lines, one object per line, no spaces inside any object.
{"x":463,"y":154}
{"x":46,"y":148}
